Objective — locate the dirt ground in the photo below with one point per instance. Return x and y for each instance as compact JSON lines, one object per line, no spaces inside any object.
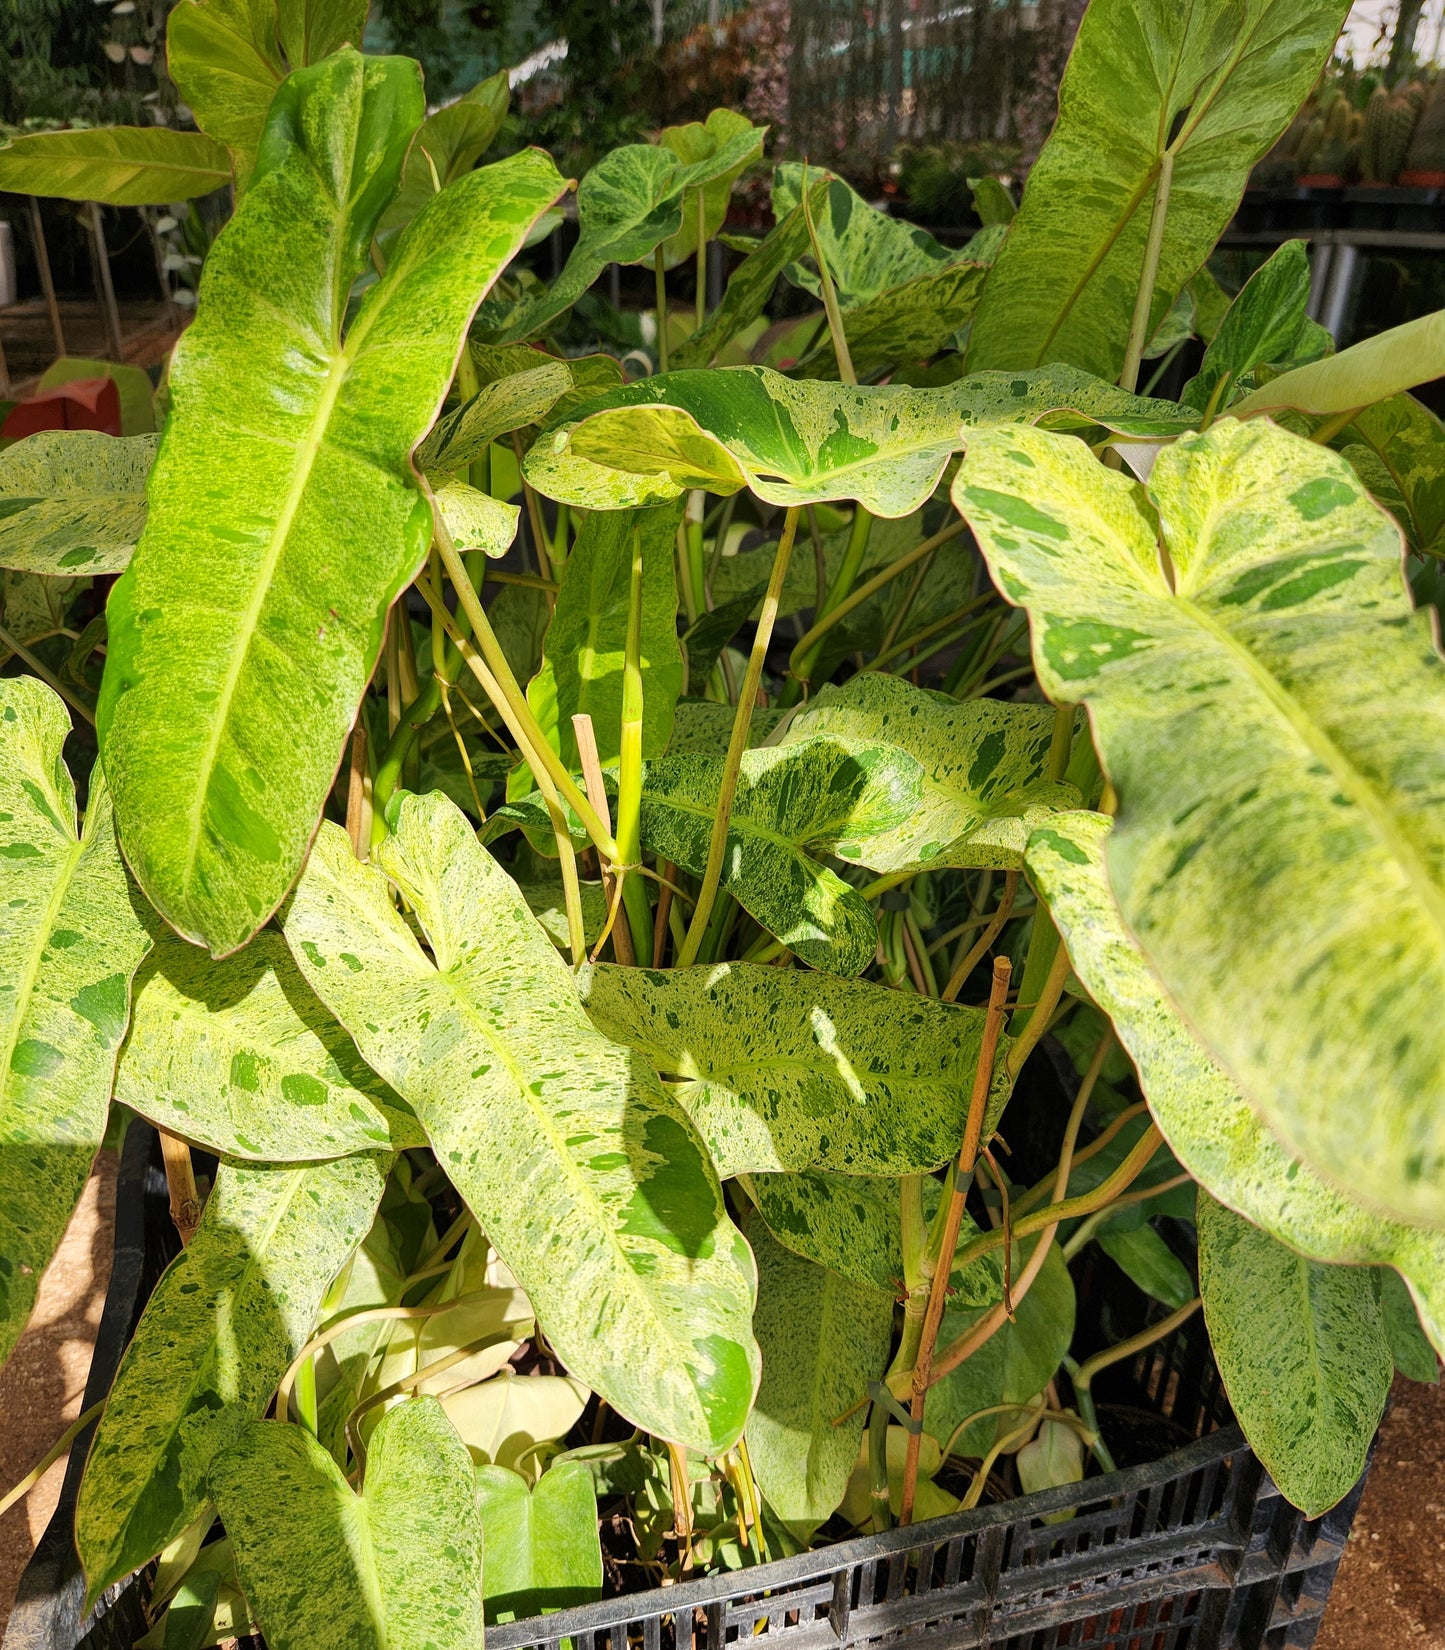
{"x":1391,"y":1585}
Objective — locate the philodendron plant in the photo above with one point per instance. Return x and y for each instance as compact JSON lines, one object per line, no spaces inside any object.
{"x":598,"y":936}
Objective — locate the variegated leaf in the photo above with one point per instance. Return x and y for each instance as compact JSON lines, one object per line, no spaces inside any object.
{"x":73,"y":501}
{"x":806,"y":442}
{"x":1215,"y":85}
{"x":985,"y":768}
{"x":794,"y":802}
{"x":823,"y":1339}
{"x":394,"y":1568}
{"x":240,"y":1057}
{"x":1242,"y":705}
{"x":783,"y":1070}
{"x":1208,"y":1124}
{"x":1303,"y":1352}
{"x":848,"y":1223}
{"x":218,"y":1333}
{"x":582,"y":1170}
{"x":71,"y":937}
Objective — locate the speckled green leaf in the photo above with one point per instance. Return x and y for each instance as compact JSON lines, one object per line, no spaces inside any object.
{"x":700,"y":725}
{"x":218,"y":1333}
{"x":907,"y":323}
{"x":583,"y":654}
{"x":225,"y":59}
{"x":868,"y":252}
{"x":700,"y":141}
{"x":1210,"y":1127}
{"x":751,"y":284}
{"x":851,"y":1224}
{"x":1262,"y":324}
{"x":1217,"y":83}
{"x":784,"y":1070}
{"x":447,"y":145}
{"x":244,"y":631}
{"x":520,"y":386}
{"x":70,"y":939}
{"x":1015,"y":1364}
{"x":543,"y":1551}
{"x":1385,"y":365}
{"x":395,"y":1568}
{"x":628,"y":204}
{"x":475,"y":520}
{"x":816,"y":797}
{"x":1397,"y":448}
{"x":797,"y":442}
{"x":985,"y":769}
{"x":122,"y":165}
{"x":1246,"y":716}
{"x":1303,"y":1353}
{"x":239,"y":1056}
{"x":73,"y":501}
{"x":823,"y":1339}
{"x":583,"y":1171}
{"x":1410,"y":1348}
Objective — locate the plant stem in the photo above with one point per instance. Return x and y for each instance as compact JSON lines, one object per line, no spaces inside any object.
{"x":878,"y":1468}
{"x":47,"y":676}
{"x":1144,"y":299}
{"x":1082,"y":1375}
{"x":701,"y":260}
{"x":1043,"y":1010}
{"x":358,"y":794}
{"x":830,"y":295}
{"x":586,"y":736}
{"x":19,"y":1491}
{"x":803,"y":658}
{"x":660,"y":278}
{"x":501,"y":687}
{"x":1332,"y":426}
{"x":181,"y":1183}
{"x":629,"y":767}
{"x":737,"y":744}
{"x":943,"y":1264}
{"x":980,"y":948}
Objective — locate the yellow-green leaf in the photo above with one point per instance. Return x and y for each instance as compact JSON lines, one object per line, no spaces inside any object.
{"x":71,"y":939}
{"x":73,"y":502}
{"x":1279,"y":832}
{"x":584,"y":1173}
{"x":121,"y":165}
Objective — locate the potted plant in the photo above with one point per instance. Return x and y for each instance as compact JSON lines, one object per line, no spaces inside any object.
{"x":609,"y":978}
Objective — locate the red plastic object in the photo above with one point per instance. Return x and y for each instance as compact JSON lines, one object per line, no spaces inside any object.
{"x":82,"y":404}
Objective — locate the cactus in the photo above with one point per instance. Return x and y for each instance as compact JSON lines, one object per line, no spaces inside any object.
{"x":1427,"y":148}
{"x":1377,"y":113}
{"x":1309,"y":144}
{"x":1399,"y":128}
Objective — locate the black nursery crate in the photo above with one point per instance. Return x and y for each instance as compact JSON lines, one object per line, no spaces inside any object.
{"x":1194,"y":1551}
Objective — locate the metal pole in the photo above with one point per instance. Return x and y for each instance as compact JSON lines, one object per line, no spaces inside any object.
{"x":102,"y":265}
{"x":47,"y":282}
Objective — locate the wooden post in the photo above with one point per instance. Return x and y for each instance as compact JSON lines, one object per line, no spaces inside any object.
{"x":107,"y":288}
{"x":47,"y":282}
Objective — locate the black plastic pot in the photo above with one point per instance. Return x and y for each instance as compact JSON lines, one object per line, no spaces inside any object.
{"x":1194,"y":1551}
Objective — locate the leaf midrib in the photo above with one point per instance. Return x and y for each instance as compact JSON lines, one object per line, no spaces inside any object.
{"x":471,"y":1015}
{"x":1351,"y":781}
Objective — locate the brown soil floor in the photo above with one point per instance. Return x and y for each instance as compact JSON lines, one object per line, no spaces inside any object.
{"x":1391,"y":1585}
